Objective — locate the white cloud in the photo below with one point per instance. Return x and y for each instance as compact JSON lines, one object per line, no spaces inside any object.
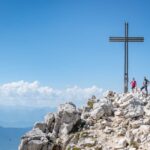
{"x":32,"y":94}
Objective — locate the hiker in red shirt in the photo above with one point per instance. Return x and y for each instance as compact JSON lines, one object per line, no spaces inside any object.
{"x":133,"y":85}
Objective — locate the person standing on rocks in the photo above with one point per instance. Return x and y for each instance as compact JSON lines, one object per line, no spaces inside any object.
{"x":145,"y":85}
{"x":133,"y":85}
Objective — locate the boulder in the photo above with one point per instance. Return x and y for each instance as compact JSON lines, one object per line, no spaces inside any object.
{"x":109,"y":94}
{"x":49,"y":119}
{"x":133,"y":109}
{"x":146,"y":121}
{"x":41,"y":126}
{"x":87,"y":142}
{"x":129,"y":137}
{"x":34,"y":140}
{"x":108,"y":130}
{"x":121,"y":143}
{"x":35,"y":145}
{"x":65,"y":119}
{"x":144,"y":129}
{"x":118,"y":113}
{"x":101,"y":108}
{"x":147,"y":109}
{"x":121,"y":131}
{"x":136,"y":123}
{"x":34,"y":134}
{"x":125,"y":98}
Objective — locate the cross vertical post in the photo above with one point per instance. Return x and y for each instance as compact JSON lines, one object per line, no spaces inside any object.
{"x":126,"y":39}
{"x":126,"y":60}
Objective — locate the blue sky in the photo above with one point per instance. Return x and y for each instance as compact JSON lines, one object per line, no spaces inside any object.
{"x":57,"y":50}
{"x":64,"y":43}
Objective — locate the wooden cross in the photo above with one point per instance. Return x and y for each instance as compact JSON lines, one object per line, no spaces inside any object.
{"x":126,"y":39}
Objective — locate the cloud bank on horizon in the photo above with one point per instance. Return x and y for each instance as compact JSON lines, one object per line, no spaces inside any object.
{"x":33,"y":94}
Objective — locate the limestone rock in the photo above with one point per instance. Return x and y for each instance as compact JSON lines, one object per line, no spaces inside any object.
{"x":147,"y":109}
{"x":134,"y":109}
{"x":101,"y":108}
{"x":136,"y":123}
{"x":126,"y":97}
{"x":118,"y":113}
{"x":114,"y":122}
{"x":108,"y":130}
{"x":121,"y":144}
{"x":121,"y":131}
{"x":41,"y":126}
{"x":49,"y":119}
{"x":109,"y":94}
{"x":66,"y":118}
{"x":34,"y":140}
{"x":87,"y":142}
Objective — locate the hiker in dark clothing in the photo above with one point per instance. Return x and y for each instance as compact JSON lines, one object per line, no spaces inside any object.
{"x":145,"y":85}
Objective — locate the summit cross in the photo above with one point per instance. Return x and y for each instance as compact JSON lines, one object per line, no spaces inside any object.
{"x":126,"y":39}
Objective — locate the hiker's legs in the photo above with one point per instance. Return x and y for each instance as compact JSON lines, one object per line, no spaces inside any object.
{"x":146,"y":90}
{"x":134,"y":89}
{"x":142,"y":88}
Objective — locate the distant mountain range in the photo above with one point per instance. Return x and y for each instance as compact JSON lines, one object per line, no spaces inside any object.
{"x":10,"y":137}
{"x":15,"y":122}
{"x":22,"y":117}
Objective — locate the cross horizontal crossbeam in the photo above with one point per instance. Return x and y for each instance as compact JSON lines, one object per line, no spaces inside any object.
{"x":126,"y":39}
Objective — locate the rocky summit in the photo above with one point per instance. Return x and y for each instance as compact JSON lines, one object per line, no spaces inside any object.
{"x":113,"y":122}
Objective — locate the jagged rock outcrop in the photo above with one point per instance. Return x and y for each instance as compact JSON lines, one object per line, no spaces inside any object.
{"x":55,"y":128}
{"x":113,"y":122}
